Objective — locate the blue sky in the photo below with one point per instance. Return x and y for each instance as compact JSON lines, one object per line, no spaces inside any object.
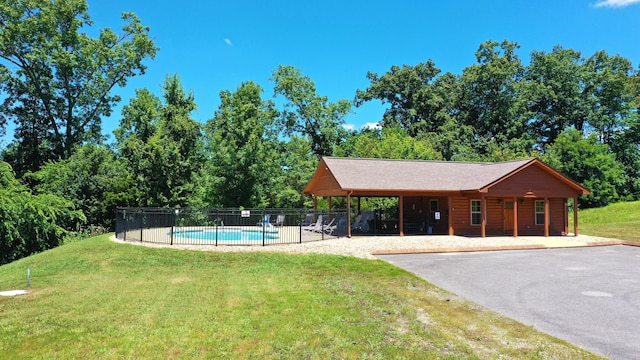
{"x":216,"y":45}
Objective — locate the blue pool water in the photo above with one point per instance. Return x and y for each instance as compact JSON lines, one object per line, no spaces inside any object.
{"x":227,"y":234}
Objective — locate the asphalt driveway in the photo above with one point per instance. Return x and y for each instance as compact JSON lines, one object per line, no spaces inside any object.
{"x":587,"y":296}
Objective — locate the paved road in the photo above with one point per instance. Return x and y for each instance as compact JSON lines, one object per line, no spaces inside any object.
{"x":587,"y":296}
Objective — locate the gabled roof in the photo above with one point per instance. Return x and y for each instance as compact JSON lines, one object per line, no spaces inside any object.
{"x":338,"y":176}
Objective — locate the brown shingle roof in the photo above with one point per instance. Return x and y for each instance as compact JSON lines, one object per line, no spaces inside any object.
{"x":417,"y":175}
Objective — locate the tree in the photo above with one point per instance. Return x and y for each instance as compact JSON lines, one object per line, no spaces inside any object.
{"x":240,"y":144}
{"x":92,"y":179}
{"x":308,"y":114}
{"x":489,"y":98}
{"x":391,"y":142}
{"x":554,"y":90}
{"x":161,"y":145}
{"x":409,"y":90}
{"x":56,"y":80}
{"x":31,"y":223}
{"x":590,"y":163}
{"x":610,"y":100}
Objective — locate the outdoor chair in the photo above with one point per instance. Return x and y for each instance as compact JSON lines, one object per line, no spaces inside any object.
{"x":279,"y":221}
{"x":265,"y":221}
{"x":315,"y":227}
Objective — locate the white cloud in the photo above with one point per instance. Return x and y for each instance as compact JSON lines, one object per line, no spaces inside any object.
{"x":372,"y":126}
{"x":615,"y":3}
{"x":349,"y":127}
{"x":228,"y":42}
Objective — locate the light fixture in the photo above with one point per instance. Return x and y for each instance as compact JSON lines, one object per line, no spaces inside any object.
{"x":499,"y":201}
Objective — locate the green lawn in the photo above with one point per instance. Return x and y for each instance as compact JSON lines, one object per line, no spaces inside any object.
{"x":619,"y":221}
{"x":99,"y":299}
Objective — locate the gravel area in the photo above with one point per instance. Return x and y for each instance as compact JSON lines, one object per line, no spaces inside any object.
{"x":363,"y":246}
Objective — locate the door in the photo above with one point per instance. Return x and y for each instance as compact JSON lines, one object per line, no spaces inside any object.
{"x":508,"y":217}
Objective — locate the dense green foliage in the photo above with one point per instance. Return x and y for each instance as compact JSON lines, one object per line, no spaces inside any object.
{"x":30,"y":223}
{"x":578,"y":113}
{"x":56,"y":80}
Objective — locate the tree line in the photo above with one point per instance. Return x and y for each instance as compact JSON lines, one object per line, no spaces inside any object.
{"x":577,"y":113}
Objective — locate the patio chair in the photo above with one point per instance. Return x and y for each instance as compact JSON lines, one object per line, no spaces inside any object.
{"x":279,"y":221}
{"x":329,"y":228}
{"x":315,"y":227}
{"x":265,"y":221}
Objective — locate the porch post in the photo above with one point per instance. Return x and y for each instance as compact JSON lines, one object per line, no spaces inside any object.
{"x":483,"y":213}
{"x":566,"y":217}
{"x":348,"y":214}
{"x":546,"y":217}
{"x":401,"y":212}
{"x":315,"y":203}
{"x":575,"y":216}
{"x":450,"y":217}
{"x":330,"y":203}
{"x":515,"y":217}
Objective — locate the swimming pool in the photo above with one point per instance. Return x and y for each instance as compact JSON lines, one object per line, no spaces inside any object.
{"x":221,"y":234}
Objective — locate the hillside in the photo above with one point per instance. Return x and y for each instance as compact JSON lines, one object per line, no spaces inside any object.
{"x":96,"y":298}
{"x":619,"y":221}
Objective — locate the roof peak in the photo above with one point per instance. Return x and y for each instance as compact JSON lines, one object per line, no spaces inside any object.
{"x":433,"y":161}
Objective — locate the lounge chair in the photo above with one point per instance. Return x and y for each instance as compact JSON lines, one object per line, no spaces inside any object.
{"x":315,"y":227}
{"x":328,"y":229}
{"x":279,"y":221}
{"x":265,"y":221}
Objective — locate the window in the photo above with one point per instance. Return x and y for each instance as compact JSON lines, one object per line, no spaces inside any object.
{"x":539,"y":212}
{"x":476,"y":212}
{"x":433,"y":206}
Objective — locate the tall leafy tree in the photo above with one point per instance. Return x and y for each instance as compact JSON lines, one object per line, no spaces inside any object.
{"x":161,"y":144}
{"x":240,"y":145}
{"x":308,"y":114}
{"x":414,"y":103}
{"x":489,"y":99}
{"x":610,"y":100}
{"x":555,"y":93}
{"x":57,"y":81}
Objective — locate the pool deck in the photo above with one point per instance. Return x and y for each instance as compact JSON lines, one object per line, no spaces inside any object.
{"x":369,"y":246}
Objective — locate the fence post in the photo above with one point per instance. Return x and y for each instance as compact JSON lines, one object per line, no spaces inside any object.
{"x":264,"y":227}
{"x":300,"y":225}
{"x":141,"y":224}
{"x":217,"y":223}
{"x":124,"y":220}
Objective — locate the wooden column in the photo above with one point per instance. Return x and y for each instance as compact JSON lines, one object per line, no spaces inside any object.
{"x":349,"y":215}
{"x":483,"y":214}
{"x":546,"y":217}
{"x":315,"y":204}
{"x":450,"y":216}
{"x":401,"y":217}
{"x":515,"y":217}
{"x":329,"y":203}
{"x":566,"y":217}
{"x":575,"y":216}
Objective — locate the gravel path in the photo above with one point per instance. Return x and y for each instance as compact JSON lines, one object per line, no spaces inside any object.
{"x":363,"y":246}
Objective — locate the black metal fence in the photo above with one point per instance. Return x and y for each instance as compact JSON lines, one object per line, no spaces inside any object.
{"x":228,"y":226}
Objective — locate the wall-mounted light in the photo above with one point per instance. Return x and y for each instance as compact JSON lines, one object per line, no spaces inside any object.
{"x":521,"y":201}
{"x":499,"y":201}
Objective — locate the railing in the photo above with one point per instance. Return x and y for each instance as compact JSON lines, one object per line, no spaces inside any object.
{"x":228,"y":226}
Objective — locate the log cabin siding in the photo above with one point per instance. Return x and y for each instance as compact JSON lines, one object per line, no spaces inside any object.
{"x":532,"y":178}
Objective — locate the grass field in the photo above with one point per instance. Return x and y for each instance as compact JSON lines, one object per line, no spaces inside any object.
{"x":619,"y":221}
{"x":99,"y":299}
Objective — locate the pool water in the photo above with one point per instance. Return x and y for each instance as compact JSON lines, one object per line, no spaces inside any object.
{"x":227,"y":234}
